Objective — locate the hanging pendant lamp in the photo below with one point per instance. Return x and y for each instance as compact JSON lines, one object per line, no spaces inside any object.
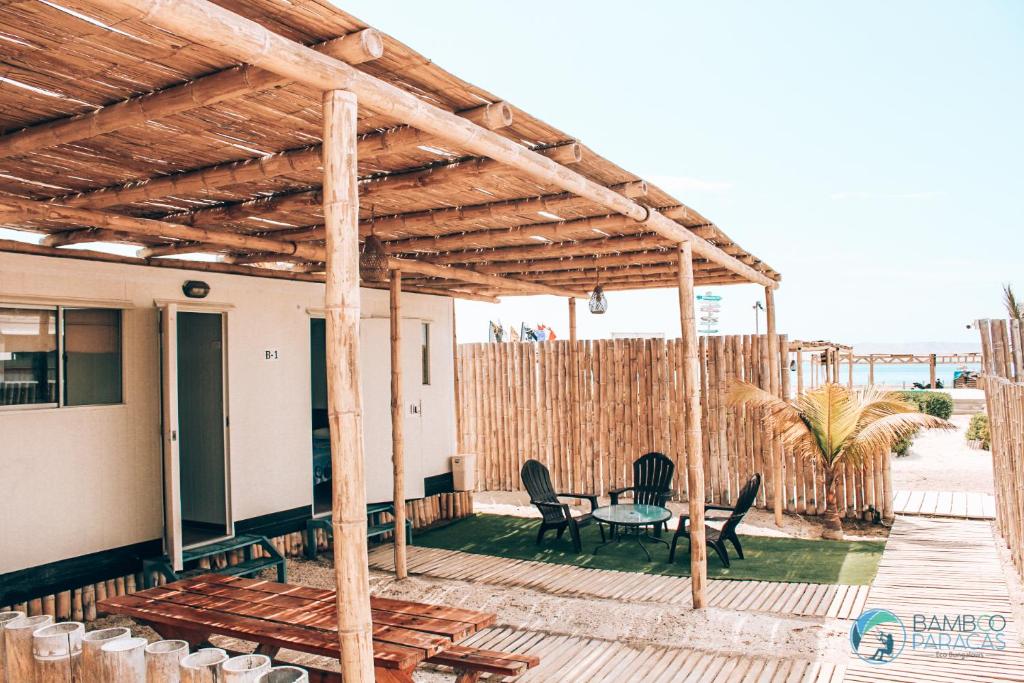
{"x":598,"y":301}
{"x":373,"y":260}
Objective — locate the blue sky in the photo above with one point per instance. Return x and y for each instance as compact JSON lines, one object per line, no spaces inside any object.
{"x":872,"y":152}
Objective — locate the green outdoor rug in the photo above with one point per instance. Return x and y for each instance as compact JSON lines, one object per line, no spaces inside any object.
{"x":767,"y":558}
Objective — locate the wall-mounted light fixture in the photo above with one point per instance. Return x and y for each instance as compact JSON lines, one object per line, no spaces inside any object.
{"x":195,"y":289}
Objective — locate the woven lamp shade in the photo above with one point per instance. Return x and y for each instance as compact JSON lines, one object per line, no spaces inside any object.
{"x":598,"y":301}
{"x":373,"y":260}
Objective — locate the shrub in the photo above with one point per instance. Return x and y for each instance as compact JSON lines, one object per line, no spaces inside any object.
{"x":900,"y":448}
{"x":930,"y":402}
{"x":978,"y":430}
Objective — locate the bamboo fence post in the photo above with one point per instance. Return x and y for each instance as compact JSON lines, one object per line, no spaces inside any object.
{"x":572,"y":320}
{"x":931,"y":371}
{"x":694,"y":461}
{"x":397,"y":416}
{"x":163,"y":660}
{"x":5,"y":618}
{"x":91,"y":644}
{"x":341,"y":304}
{"x":57,"y":651}
{"x":18,"y":646}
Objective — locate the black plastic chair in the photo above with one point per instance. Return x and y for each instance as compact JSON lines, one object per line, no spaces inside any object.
{"x":554,"y":513}
{"x":652,"y":482}
{"x":716,"y":538}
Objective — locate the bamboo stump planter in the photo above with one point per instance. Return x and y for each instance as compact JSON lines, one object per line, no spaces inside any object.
{"x":123,"y":660}
{"x":5,"y":618}
{"x":284,"y":674}
{"x":18,"y":646}
{"x":57,"y":651}
{"x":92,"y":642}
{"x":163,"y":660}
{"x":204,"y":666}
{"x":245,"y":668}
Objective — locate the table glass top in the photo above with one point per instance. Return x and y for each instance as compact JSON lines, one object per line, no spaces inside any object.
{"x":632,"y":514}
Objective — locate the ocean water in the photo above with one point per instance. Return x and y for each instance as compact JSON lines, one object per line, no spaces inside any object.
{"x":893,"y":376}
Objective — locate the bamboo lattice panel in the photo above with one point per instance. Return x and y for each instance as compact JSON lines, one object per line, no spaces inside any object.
{"x":587,"y":411}
{"x":798,"y":599}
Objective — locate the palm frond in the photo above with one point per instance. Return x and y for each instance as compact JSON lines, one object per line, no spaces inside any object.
{"x":1014,"y":309}
{"x":876,"y":403}
{"x":782,"y":418}
{"x":885,"y":431}
{"x":832,"y":414}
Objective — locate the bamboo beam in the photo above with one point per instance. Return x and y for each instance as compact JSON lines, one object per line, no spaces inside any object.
{"x":466,"y":275}
{"x":434,"y":177}
{"x":695,"y":456}
{"x":238,"y":81}
{"x":572,"y":320}
{"x":29,"y":209}
{"x":304,"y":159}
{"x":69,"y":237}
{"x":590,"y":247}
{"x":179,"y":248}
{"x":773,"y":387}
{"x":247,"y":41}
{"x":341,"y":306}
{"x":397,"y":416}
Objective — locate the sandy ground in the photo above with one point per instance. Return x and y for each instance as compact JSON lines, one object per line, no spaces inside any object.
{"x":940,"y":460}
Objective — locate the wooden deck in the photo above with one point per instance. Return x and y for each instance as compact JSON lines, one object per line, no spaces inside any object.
{"x":963,"y":504}
{"x":799,"y":599}
{"x":942,"y":566}
{"x":567,"y":659}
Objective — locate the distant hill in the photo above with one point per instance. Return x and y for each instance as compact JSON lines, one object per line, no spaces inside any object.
{"x":864,"y":348}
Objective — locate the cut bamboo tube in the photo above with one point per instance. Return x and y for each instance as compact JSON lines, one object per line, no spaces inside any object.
{"x":163,"y":660}
{"x":57,"y":651}
{"x":773,"y":387}
{"x":18,"y":646}
{"x":397,"y":419}
{"x":245,"y":668}
{"x":341,"y":305}
{"x":572,"y":320}
{"x":92,"y":643}
{"x":5,"y":618}
{"x":123,"y":660}
{"x":284,"y":674}
{"x":203,"y":666}
{"x":694,"y":460}
{"x":251,"y":43}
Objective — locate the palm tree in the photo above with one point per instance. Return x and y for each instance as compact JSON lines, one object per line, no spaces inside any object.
{"x":833,"y":425}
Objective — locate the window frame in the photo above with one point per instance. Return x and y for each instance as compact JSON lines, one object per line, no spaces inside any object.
{"x":60,"y":403}
{"x":426,"y":376}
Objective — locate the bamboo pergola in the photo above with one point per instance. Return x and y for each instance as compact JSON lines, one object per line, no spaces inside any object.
{"x":824,"y":357}
{"x":929,"y":359}
{"x":271,"y":140}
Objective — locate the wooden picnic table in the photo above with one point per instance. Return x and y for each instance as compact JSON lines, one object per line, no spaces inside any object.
{"x":283,"y":616}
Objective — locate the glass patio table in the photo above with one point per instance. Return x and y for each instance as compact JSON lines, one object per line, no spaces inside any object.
{"x":635,"y":518}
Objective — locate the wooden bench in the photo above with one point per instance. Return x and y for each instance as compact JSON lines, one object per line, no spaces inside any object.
{"x":374,"y":526}
{"x":282,"y":616}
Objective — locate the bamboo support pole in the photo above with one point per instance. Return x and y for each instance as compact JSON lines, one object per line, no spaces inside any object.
{"x":397,"y":417}
{"x":249,"y":42}
{"x":341,"y":305}
{"x":799,"y":370}
{"x":871,"y":371}
{"x":774,"y":388}
{"x":694,"y":460}
{"x":572,"y":320}
{"x":849,"y":379}
{"x":931,"y":371}
{"x":18,"y":646}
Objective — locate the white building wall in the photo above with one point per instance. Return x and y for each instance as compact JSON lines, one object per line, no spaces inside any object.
{"x":84,"y":479}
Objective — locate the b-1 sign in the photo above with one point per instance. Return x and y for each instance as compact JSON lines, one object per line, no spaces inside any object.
{"x":271,"y":354}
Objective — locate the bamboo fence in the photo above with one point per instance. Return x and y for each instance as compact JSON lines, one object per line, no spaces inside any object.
{"x":587,"y":410}
{"x":1002,"y":378}
{"x":79,"y":604}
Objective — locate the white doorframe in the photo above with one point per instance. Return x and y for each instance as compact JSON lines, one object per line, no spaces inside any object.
{"x":169,"y":310}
